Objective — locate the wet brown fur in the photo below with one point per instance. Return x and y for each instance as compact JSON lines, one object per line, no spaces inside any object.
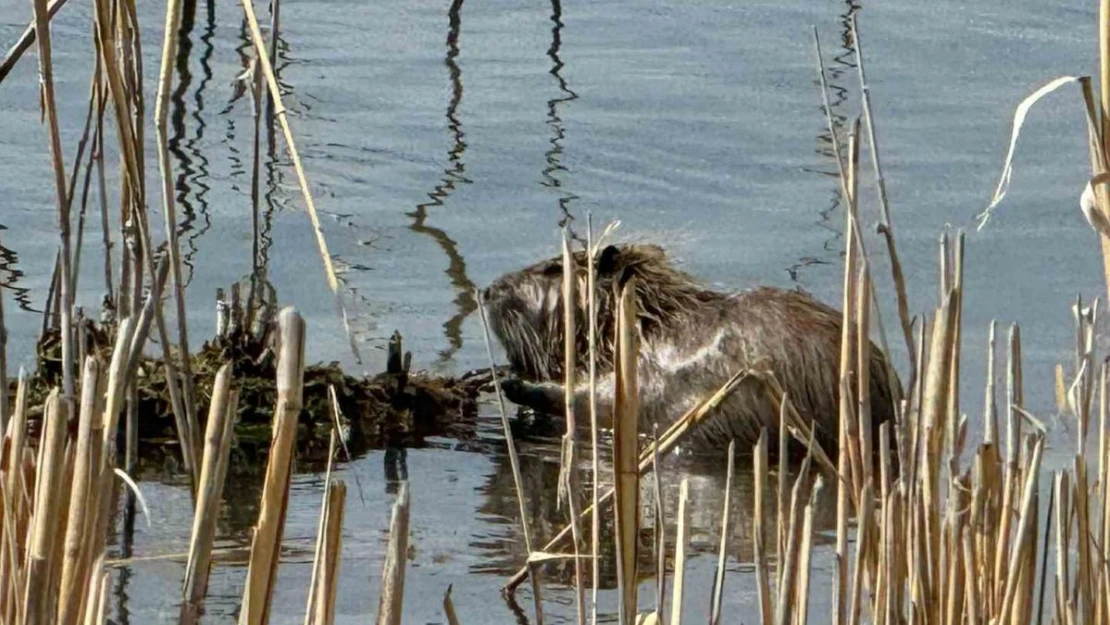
{"x":691,"y":340}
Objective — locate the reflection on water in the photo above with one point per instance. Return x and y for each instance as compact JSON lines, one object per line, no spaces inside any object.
{"x":839,"y":74}
{"x":453,"y":174}
{"x":539,"y":467}
{"x":554,"y":154}
{"x":10,"y":275}
{"x":192,"y":165}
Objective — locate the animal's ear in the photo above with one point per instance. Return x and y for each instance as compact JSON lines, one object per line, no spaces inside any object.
{"x":608,"y":261}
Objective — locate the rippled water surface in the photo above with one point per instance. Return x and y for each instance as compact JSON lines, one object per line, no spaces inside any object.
{"x":445,"y":144}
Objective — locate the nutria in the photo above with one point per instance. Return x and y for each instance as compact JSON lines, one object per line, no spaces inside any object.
{"x":692,"y":339}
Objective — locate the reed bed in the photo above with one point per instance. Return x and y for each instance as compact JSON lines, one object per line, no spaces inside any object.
{"x":931,"y":526}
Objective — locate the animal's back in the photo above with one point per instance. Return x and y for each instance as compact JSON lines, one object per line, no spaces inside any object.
{"x":788,"y":332}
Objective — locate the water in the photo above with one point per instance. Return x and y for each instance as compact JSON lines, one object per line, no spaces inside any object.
{"x":445,"y":145}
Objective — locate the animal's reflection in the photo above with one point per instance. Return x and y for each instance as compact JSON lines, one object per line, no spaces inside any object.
{"x":539,"y":467}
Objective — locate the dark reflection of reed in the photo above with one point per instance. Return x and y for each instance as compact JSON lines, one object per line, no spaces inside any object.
{"x":453,"y":175}
{"x":839,"y":72}
{"x":539,"y":466}
{"x":554,"y":155}
{"x":192,"y":165}
{"x":10,"y":274}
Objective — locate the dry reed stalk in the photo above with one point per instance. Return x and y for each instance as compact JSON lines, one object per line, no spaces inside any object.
{"x":24,"y":42}
{"x":886,"y":226}
{"x":626,"y":439}
{"x":514,"y":463}
{"x":845,"y":486}
{"x":81,"y":503}
{"x":759,"y":470}
{"x":660,"y":532}
{"x":1102,"y":131}
{"x":15,"y":514}
{"x":1022,"y":552}
{"x":719,"y":578}
{"x":191,"y":434}
{"x":667,"y":442}
{"x":784,"y":607}
{"x":266,"y":546}
{"x":990,"y":404}
{"x":393,"y":573}
{"x":679,"y":587}
{"x":863,"y":372}
{"x":1104,"y":485}
{"x":570,"y":486}
{"x":801,"y":598}
{"x":318,"y":554}
{"x":279,"y":111}
{"x":95,"y":592}
{"x":46,"y":78}
{"x":3,"y":369}
{"x":131,"y":178}
{"x":595,"y":521}
{"x":863,"y":552}
{"x":953,"y":409}
{"x":449,"y":608}
{"x":45,"y":518}
{"x":1010,"y":468}
{"x":781,"y":493}
{"x":209,"y":494}
{"x":1084,"y":575}
{"x":328,"y":582}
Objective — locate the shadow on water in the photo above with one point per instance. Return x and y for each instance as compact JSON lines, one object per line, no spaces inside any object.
{"x":838,"y":72}
{"x":193,"y":167}
{"x":555,"y":122}
{"x":453,"y":175}
{"x":10,"y":275}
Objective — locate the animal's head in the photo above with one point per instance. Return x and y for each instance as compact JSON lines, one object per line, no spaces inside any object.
{"x":526,"y":306}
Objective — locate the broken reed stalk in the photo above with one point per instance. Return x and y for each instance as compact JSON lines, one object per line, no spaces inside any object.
{"x":719,"y":579}
{"x":328,"y":582}
{"x":15,"y":515}
{"x":514,"y":463}
{"x":393,"y":571}
{"x":266,"y":546}
{"x":660,"y":533}
{"x":626,"y":439}
{"x":680,"y":540}
{"x":213,"y":470}
{"x":759,"y":470}
{"x":82,"y":504}
{"x":570,"y":486}
{"x":317,"y":558}
{"x":45,"y":517}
